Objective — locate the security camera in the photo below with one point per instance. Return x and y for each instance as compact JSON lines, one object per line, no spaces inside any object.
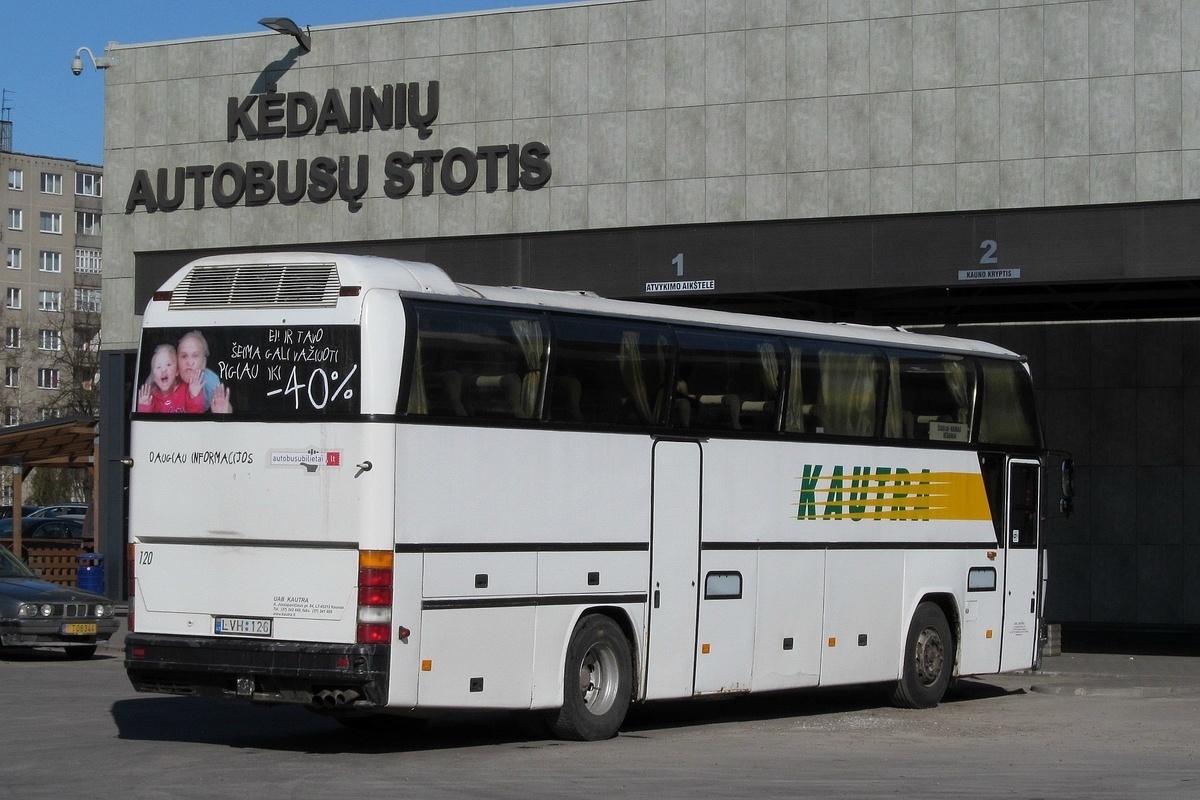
{"x":104,"y":62}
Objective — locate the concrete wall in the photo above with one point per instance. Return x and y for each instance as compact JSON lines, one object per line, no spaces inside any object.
{"x":660,"y":112}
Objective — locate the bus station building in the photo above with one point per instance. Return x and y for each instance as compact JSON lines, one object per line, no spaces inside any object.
{"x":1021,"y":171}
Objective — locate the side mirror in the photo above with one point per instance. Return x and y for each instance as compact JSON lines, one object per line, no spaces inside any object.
{"x":1066,"y":503}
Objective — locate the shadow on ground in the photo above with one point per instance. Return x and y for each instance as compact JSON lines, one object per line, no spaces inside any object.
{"x":291,"y":728}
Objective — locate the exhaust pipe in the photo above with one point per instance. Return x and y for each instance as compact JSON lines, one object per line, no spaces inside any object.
{"x":333,"y":698}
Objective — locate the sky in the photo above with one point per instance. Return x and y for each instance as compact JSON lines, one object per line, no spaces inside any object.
{"x":57,"y":114}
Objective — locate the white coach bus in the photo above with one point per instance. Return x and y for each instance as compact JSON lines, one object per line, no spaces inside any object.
{"x":363,"y":487}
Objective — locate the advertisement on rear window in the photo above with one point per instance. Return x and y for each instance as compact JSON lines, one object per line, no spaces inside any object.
{"x":284,"y":370}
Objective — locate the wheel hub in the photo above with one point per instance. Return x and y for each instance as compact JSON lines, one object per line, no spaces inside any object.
{"x":931,"y":657}
{"x":598,"y":678}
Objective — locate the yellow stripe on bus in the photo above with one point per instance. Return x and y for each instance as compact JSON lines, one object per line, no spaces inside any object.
{"x":924,"y":496}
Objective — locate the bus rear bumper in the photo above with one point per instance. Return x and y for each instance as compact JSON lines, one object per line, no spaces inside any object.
{"x":266,"y":671}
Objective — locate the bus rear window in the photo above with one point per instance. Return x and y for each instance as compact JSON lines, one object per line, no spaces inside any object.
{"x":269,"y":370}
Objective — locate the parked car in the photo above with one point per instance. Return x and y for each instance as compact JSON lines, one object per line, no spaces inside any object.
{"x":61,"y":527}
{"x":35,"y":613}
{"x":62,"y":508}
{"x":6,"y":512}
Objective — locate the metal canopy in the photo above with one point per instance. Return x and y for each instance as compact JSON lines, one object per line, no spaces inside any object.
{"x":63,"y":442}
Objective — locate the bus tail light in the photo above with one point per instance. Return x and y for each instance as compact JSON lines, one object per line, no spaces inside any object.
{"x":374,"y":634}
{"x":375,"y":596}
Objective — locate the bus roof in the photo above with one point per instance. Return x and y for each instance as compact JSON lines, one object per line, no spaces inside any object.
{"x":420,"y":278}
{"x":588,"y":302}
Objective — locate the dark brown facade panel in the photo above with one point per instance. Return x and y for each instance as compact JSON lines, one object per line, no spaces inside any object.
{"x":591,"y":261}
{"x":724,"y":254}
{"x":923,"y":251}
{"x":495,"y":261}
{"x":1070,"y":245}
{"x":827,"y":254}
{"x":1168,"y":240}
{"x":1003,"y":252}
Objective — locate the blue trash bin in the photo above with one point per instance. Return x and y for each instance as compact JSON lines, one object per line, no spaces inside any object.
{"x":90,"y":577}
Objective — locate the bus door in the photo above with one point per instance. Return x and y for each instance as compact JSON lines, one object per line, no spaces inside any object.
{"x":1022,"y":562}
{"x":674,"y":569}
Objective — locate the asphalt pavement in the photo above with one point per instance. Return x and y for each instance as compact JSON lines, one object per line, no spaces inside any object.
{"x":1088,"y":725}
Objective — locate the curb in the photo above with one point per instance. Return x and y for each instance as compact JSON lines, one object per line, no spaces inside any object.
{"x":1134,"y":692}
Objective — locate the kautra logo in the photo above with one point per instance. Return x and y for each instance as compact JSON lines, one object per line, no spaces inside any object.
{"x":890,"y":493}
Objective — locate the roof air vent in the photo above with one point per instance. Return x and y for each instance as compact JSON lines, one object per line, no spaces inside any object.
{"x":258,"y":286}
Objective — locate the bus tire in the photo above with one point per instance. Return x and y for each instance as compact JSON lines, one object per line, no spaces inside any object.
{"x":928,"y":660}
{"x":597,"y":682}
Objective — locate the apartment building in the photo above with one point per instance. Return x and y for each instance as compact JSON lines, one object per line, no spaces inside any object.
{"x":51,"y":239}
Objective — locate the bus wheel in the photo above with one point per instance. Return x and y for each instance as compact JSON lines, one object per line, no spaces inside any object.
{"x":928,"y":660}
{"x":597,"y":682}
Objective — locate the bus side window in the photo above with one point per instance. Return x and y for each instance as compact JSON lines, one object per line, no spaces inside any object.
{"x":609,"y":372}
{"x":477,"y":363}
{"x":850,"y":385}
{"x":803,"y":411}
{"x":930,"y":397}
{"x":727,"y":382}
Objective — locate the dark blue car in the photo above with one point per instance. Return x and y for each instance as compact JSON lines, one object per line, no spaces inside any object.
{"x":36,"y":613}
{"x":60,"y":527}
